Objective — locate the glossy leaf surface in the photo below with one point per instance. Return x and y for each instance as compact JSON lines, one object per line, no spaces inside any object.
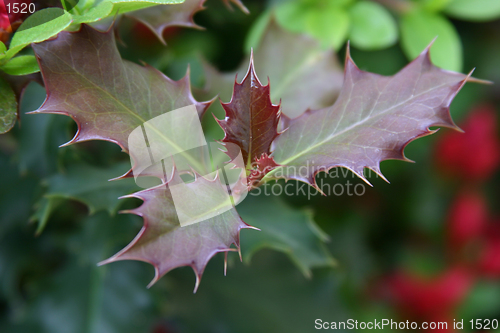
{"x":251,"y":119}
{"x":373,"y":119}
{"x":108,"y":97}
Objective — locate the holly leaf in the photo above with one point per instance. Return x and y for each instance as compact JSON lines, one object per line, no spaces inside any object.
{"x":260,"y":167}
{"x":373,"y":119}
{"x":86,"y":184}
{"x":159,"y":18}
{"x":284,"y":229}
{"x":108,"y":97}
{"x":251,"y":119}
{"x":288,"y":60}
{"x":165,"y":243}
{"x":95,"y":298}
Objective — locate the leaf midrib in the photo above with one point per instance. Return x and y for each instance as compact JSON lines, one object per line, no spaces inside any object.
{"x":359,"y":123}
{"x":188,"y":157}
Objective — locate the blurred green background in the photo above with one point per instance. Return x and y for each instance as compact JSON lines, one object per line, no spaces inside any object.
{"x":425,"y":247}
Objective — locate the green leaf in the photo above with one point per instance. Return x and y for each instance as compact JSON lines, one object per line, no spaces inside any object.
{"x":38,"y":153}
{"x":292,"y":15}
{"x":86,"y":184}
{"x":125,"y":6}
{"x":481,"y":301}
{"x":419,"y":28}
{"x":21,"y":65}
{"x":91,"y":186}
{"x":8,"y":106}
{"x":38,"y":27}
{"x":108,"y":8}
{"x":435,"y":5}
{"x":474,"y":10}
{"x":257,"y":30}
{"x":329,"y":25}
{"x":3,"y":48}
{"x":284,"y":229}
{"x":94,"y":14}
{"x":42,"y":213}
{"x":75,"y":295}
{"x":372,"y":26}
{"x":327,"y":21}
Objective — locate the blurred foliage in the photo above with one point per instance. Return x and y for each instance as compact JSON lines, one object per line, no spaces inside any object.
{"x":372,"y":25}
{"x":50,"y":282}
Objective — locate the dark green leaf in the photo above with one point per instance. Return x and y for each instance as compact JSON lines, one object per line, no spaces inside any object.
{"x":91,"y":186}
{"x":284,"y":229}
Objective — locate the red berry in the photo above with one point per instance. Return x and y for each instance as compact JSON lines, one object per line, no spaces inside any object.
{"x":489,"y":260}
{"x":474,"y":154}
{"x":4,"y":21}
{"x":4,"y":18}
{"x":427,"y":298}
{"x":467,"y":218}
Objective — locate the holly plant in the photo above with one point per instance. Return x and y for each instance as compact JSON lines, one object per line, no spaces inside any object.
{"x":292,"y":113}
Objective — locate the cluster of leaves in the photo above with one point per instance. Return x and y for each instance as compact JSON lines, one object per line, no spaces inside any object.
{"x":370,"y":25}
{"x":356,"y":125}
{"x":48,"y":22}
{"x":353,"y":133}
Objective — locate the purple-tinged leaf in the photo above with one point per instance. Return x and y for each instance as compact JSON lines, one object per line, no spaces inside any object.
{"x":373,"y":119}
{"x":304,"y":76}
{"x":260,"y":167}
{"x":159,"y":18}
{"x":108,"y":97}
{"x":162,"y":241}
{"x":251,"y":119}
